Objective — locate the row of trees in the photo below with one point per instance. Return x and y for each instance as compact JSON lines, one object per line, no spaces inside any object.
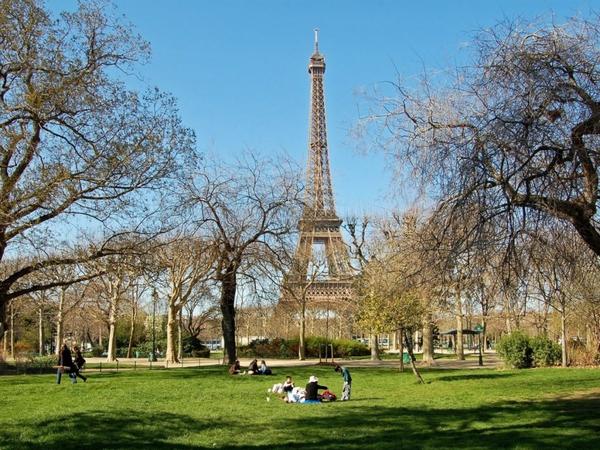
{"x":104,"y":198}
{"x":101,"y":186}
{"x":507,"y":153}
{"x":419,"y":273}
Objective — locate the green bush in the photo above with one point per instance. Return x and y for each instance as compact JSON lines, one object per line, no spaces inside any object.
{"x":44,"y":361}
{"x":545,"y":352}
{"x":193,"y":347}
{"x":515,"y":350}
{"x":96,"y":351}
{"x":288,"y":348}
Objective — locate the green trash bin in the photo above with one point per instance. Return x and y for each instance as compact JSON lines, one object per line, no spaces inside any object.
{"x":405,"y":358}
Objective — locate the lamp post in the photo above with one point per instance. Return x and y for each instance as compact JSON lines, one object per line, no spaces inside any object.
{"x":154,"y":300}
{"x":479,"y":330}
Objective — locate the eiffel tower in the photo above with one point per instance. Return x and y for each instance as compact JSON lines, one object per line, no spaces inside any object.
{"x":321,"y":267}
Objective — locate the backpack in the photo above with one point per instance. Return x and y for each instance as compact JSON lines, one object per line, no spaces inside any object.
{"x":328,"y":396}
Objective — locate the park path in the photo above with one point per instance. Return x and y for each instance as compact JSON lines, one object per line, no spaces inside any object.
{"x":490,"y":361}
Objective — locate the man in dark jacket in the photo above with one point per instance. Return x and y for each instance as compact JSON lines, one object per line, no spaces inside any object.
{"x":65,"y":363}
{"x":312,"y":389}
{"x":79,"y":362}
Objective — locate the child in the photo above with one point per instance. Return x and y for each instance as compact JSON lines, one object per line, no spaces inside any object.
{"x":283,"y":388}
{"x":347,"y":388}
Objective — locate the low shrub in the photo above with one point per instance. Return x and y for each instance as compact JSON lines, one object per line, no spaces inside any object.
{"x":43,"y":362}
{"x":193,"y":347}
{"x":96,"y":351}
{"x":544,"y":351}
{"x":581,"y":356}
{"x":515,"y":350}
{"x":314,"y":347}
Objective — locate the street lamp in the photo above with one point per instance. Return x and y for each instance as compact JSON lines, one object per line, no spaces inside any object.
{"x":479,"y":330}
{"x":154,"y":300}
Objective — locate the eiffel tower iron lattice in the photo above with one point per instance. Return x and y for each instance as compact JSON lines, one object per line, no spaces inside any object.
{"x":323,"y":277}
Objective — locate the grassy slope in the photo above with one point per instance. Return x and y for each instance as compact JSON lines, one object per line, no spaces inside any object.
{"x":206,"y":408}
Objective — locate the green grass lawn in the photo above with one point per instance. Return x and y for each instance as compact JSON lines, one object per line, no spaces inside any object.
{"x":206,"y":408}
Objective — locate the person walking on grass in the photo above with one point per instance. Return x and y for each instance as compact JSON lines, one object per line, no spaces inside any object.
{"x":347,"y":388}
{"x":65,"y":363}
{"x":79,"y":362}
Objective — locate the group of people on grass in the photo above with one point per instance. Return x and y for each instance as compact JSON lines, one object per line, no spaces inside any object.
{"x":310,"y":394}
{"x":253,"y":368}
{"x":295,"y":394}
{"x":68,"y":364}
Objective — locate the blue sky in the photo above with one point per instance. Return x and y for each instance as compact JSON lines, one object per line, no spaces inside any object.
{"x":239,"y":68}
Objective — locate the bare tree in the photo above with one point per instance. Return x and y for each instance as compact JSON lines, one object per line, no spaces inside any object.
{"x":517,"y":132}
{"x":199,"y":311}
{"x":187,"y":262}
{"x":559,"y":267}
{"x":112,"y":288}
{"x":245,"y":210}
{"x":291,"y":272}
{"x":76,"y":147}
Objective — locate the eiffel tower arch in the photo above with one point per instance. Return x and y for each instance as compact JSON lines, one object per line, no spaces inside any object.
{"x":321,"y":272}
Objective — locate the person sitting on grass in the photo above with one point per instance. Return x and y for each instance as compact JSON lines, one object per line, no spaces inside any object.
{"x":253,"y":367}
{"x":312,"y":390}
{"x":283,"y":388}
{"x":288,"y":385}
{"x":296,"y":395}
{"x":263,"y":369}
{"x":235,"y":368}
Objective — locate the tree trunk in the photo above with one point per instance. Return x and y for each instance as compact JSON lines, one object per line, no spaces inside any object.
{"x":412,"y":360}
{"x":401,"y":348}
{"x":131,"y":329}
{"x":227,"y":303}
{"x":59,"y":323}
{"x":459,"y":346}
{"x":483,"y":334}
{"x":427,"y":341}
{"x":301,"y":343}
{"x":563,"y":334}
{"x":374,"y":347}
{"x":112,"y":332}
{"x":3,"y":304}
{"x":180,"y":336}
{"x":12,"y":330}
{"x":171,"y":354}
{"x":5,"y":343}
{"x":41,"y":331}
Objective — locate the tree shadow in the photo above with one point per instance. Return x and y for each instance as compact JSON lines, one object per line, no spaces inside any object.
{"x":131,"y":429}
{"x":559,"y":423}
{"x":473,"y":376}
{"x":556,"y":423}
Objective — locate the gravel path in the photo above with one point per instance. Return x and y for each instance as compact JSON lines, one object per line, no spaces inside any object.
{"x":490,"y":361}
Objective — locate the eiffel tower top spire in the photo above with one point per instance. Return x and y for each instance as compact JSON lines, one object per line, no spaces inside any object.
{"x":319,"y":201}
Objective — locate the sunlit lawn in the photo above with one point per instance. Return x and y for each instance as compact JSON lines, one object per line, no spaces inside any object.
{"x":206,"y":408}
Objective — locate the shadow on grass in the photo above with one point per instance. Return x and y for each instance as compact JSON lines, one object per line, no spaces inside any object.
{"x":105,"y":430}
{"x":558,"y":423}
{"x":473,"y":376}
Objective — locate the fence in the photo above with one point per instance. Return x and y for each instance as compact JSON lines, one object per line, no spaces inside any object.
{"x":28,"y":367}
